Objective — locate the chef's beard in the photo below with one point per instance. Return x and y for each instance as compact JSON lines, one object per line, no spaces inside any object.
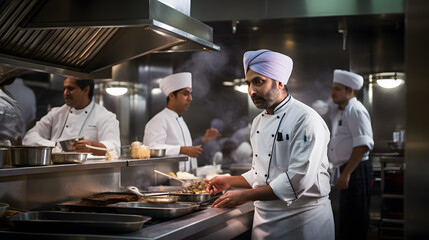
{"x":266,"y":101}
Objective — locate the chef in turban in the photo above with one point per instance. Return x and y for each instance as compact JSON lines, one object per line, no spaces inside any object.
{"x":348,"y":152}
{"x":288,"y":180}
{"x":168,"y":130}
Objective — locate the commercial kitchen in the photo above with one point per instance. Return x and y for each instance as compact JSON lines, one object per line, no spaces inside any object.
{"x":132,"y":44}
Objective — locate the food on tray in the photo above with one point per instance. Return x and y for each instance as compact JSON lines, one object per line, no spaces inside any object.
{"x":10,"y":212}
{"x":4,"y":218}
{"x":199,"y":187}
{"x":104,"y":199}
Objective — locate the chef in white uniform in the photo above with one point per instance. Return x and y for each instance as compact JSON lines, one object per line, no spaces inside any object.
{"x":10,"y":117}
{"x":349,"y":149}
{"x":168,"y":130}
{"x":78,"y":117}
{"x":288,"y":181}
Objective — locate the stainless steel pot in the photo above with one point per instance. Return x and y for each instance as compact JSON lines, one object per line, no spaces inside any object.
{"x":157,"y":152}
{"x":30,"y":155}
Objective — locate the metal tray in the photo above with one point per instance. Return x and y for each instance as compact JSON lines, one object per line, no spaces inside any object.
{"x":191,"y":197}
{"x":68,"y":157}
{"x":155,"y":210}
{"x":164,"y":188}
{"x":183,"y":197}
{"x":78,"y":206}
{"x":76,"y":222}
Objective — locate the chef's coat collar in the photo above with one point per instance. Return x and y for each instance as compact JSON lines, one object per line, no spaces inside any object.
{"x":351,"y":102}
{"x":173,"y":113}
{"x":86,"y":109}
{"x":283,"y":103}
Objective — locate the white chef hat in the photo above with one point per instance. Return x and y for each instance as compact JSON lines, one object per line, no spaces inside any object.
{"x":175,"y":82}
{"x":348,"y":79}
{"x":271,"y":64}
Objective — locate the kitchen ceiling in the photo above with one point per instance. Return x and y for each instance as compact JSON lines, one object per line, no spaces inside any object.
{"x":85,"y":38}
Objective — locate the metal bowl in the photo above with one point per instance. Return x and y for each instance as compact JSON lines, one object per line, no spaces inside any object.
{"x":157,"y":152}
{"x":68,"y":157}
{"x":67,"y":145}
{"x":30,"y":155}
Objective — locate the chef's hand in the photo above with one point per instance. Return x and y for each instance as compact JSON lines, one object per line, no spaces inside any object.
{"x":217,"y":184}
{"x":211,"y":134}
{"x":192,"y":151}
{"x":230,"y":199}
{"x":343,"y":181}
{"x":79,"y":146}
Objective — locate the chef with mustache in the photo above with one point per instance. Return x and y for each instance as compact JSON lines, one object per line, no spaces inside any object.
{"x":79,"y":116}
{"x":288,"y":181}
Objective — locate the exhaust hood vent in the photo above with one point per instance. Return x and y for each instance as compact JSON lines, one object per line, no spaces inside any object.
{"x":83,"y":39}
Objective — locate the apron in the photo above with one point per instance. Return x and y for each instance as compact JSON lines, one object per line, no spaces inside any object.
{"x":312,"y":223}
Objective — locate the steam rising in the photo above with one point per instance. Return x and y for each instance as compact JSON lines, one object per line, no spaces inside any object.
{"x":205,"y":67}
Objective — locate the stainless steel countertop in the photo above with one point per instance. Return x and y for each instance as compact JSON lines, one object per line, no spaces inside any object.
{"x":89,"y":164}
{"x":179,"y":228}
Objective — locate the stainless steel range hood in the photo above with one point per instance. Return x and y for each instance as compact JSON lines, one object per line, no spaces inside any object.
{"x":84,"y":38}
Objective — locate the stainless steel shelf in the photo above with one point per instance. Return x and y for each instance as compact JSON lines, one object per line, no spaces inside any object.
{"x":90,"y":164}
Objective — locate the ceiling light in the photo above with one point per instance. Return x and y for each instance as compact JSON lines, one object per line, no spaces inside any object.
{"x":227,"y":83}
{"x":116,"y":91}
{"x":388,"y":79}
{"x":241,"y":88}
{"x":389,"y":83}
{"x":156,"y":91}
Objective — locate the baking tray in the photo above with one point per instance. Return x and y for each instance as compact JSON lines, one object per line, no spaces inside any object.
{"x":155,"y":210}
{"x":79,"y":206}
{"x":77,"y":222}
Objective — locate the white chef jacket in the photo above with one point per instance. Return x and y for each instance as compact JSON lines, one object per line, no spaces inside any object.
{"x":94,"y":122}
{"x":26,"y":100}
{"x":351,"y":128}
{"x":290,"y":154}
{"x":10,"y":118}
{"x":168,"y":130}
